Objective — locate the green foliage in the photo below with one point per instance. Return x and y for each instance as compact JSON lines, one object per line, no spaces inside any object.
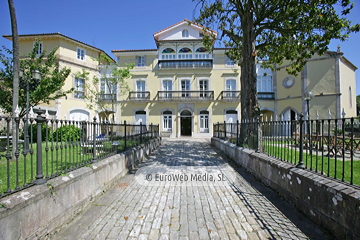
{"x":280,"y":30}
{"x":32,"y":131}
{"x":67,"y":133}
{"x":357,"y":104}
{"x":113,"y":79}
{"x":50,"y":87}
{"x":272,"y":30}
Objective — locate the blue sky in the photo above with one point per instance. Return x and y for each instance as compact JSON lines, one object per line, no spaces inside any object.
{"x":114,"y":24}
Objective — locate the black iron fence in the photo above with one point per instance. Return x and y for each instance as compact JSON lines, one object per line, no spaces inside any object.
{"x":56,"y":147}
{"x":330,"y":147}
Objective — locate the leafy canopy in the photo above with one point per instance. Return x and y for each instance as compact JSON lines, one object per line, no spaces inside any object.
{"x":278,"y":29}
{"x":48,"y":89}
{"x":113,"y":79}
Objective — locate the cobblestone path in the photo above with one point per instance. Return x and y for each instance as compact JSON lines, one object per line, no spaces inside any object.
{"x":230,"y":210}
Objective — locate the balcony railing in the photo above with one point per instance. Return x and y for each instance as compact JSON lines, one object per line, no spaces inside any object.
{"x":266,"y":95}
{"x":229,"y":96}
{"x":185,"y":64}
{"x":185,"y":95}
{"x":107,"y":97}
{"x":139,"y":96}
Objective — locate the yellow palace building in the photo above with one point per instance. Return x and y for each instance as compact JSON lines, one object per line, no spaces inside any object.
{"x":186,"y":88}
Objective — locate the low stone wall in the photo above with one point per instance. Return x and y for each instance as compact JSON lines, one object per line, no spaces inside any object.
{"x":39,"y":210}
{"x":332,"y":204}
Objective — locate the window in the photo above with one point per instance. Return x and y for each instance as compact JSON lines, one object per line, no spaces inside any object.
{"x":168,"y":53}
{"x":203,"y":86}
{"x":264,"y":83}
{"x":264,"y":79}
{"x":185,"y":53}
{"x":230,"y":87}
{"x":140,"y":88}
{"x":79,"y":88}
{"x":140,"y":61}
{"x":167,"y":121}
{"x":167,"y":86}
{"x":350,"y":97}
{"x":185,"y":86}
{"x":204,"y":121}
{"x":202,"y":53}
{"x":39,"y":49}
{"x":108,"y":90}
{"x":229,"y":62}
{"x":185,"y":33}
{"x":140,"y":117}
{"x":81,"y":53}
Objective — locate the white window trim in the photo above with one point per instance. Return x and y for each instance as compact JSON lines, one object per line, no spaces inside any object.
{"x":77,"y":55}
{"x":236,"y":83}
{"x":185,"y":31}
{"x":75,"y":88}
{"x":40,"y":47}
{"x":143,"y":62}
{"x":183,"y":79}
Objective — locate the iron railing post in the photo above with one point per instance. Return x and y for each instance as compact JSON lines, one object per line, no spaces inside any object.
{"x":141,"y":132}
{"x":151,"y":130}
{"x":94,"y":160}
{"x":39,"y":171}
{"x":124,"y":135}
{"x":224,"y":130}
{"x":301,"y":151}
{"x":237,"y":132}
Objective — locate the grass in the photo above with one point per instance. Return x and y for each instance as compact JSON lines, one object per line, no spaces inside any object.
{"x":322,"y":164}
{"x":329,"y":166}
{"x":57,"y":159}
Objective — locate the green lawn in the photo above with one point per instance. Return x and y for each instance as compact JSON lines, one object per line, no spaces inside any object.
{"x":322,"y":164}
{"x":57,"y":159}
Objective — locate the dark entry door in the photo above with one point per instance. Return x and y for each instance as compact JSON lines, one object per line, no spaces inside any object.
{"x":186,"y":126}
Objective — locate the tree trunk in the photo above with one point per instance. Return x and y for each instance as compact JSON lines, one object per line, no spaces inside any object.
{"x":249,"y":105}
{"x":16,"y":70}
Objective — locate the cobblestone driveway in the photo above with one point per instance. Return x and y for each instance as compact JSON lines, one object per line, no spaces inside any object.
{"x":139,"y":211}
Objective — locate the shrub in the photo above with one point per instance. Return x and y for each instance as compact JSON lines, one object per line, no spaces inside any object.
{"x":32,"y":128}
{"x":67,"y":133}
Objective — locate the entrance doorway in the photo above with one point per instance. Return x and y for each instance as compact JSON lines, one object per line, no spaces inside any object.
{"x":185,"y":123}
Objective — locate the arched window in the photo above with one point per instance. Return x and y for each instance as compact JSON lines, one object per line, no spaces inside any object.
{"x":185,"y":33}
{"x":202,"y":53}
{"x":168,"y":53}
{"x":140,"y":117}
{"x":185,"y":53}
{"x":185,"y":50}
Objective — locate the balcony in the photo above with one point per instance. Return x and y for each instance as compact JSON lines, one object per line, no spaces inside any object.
{"x":229,"y":96}
{"x":185,"y":96}
{"x":266,"y":95}
{"x":139,"y":96}
{"x":185,"y":64}
{"x":107,"y":97}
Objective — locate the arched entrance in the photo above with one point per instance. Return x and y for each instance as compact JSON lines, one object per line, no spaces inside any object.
{"x":185,"y":123}
{"x":289,"y":127}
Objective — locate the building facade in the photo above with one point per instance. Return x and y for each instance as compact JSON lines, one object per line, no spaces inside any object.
{"x":72,"y":54}
{"x":185,"y":88}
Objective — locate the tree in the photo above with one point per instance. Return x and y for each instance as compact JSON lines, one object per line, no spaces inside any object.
{"x":357,"y":104}
{"x":16,"y":64}
{"x":275,"y":31}
{"x":112,"y":83}
{"x":48,"y":89}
